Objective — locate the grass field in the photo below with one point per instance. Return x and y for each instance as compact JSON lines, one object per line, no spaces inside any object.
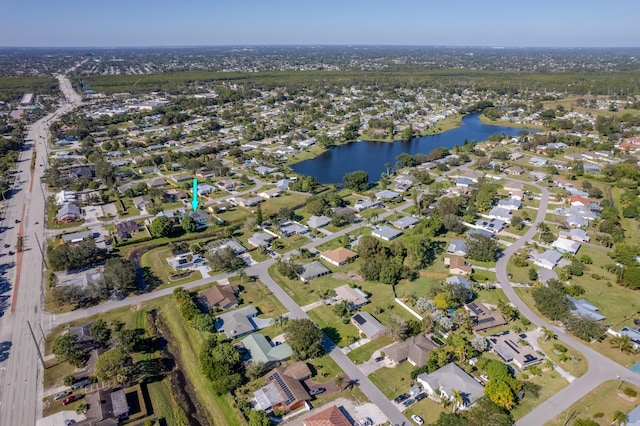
{"x":156,"y":260}
{"x":576,"y":366}
{"x":599,"y":405}
{"x":550,"y":383}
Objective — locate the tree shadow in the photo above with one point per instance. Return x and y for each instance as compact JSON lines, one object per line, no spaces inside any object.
{"x":332,"y":333}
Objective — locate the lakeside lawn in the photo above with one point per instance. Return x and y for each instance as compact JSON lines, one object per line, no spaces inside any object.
{"x":599,"y":405}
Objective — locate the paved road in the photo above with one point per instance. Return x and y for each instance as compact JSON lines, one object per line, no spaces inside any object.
{"x":601,"y":368}
{"x":20,"y":371}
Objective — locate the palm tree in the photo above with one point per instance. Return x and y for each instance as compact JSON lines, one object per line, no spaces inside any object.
{"x":542,"y":227}
{"x":458,"y":399}
{"x":339,"y":380}
{"x":622,"y":342}
{"x":548,"y":364}
{"x":620,"y":418}
{"x":547,"y":334}
{"x":388,"y":167}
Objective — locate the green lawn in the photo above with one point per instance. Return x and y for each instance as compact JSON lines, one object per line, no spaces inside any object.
{"x":599,"y":405}
{"x":340,"y":333}
{"x":393,"y":381}
{"x":156,"y":259}
{"x":550,"y":383}
{"x":576,"y":366}
{"x":364,"y":352}
{"x":256,"y":293}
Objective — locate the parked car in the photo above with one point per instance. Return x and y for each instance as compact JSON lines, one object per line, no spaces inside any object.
{"x":61,"y":395}
{"x":80,"y":384}
{"x":365,"y":421}
{"x":69,"y":399}
{"x":379,"y":359}
{"x":316,"y":391}
{"x":420,"y":396}
{"x":408,"y":402}
{"x":417,"y":419}
{"x":398,"y":399}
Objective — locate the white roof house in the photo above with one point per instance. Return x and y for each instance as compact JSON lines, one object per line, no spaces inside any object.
{"x":564,"y":245}
{"x":386,"y":233}
{"x":549,"y":259}
{"x":451,"y":378}
{"x":501,"y":214}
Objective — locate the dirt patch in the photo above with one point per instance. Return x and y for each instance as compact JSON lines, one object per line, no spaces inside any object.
{"x":182,"y":390}
{"x":626,"y":397}
{"x":348,"y":276}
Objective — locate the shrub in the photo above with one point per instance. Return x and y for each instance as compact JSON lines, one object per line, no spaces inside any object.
{"x":598,"y":415}
{"x":630,"y":392}
{"x":560,"y":348}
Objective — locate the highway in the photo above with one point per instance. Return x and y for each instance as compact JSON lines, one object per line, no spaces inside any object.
{"x":23,"y":278}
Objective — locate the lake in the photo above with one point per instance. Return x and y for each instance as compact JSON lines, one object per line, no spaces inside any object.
{"x":371,"y":156}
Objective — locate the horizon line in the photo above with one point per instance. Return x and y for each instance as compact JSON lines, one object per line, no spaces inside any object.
{"x":168,"y":46}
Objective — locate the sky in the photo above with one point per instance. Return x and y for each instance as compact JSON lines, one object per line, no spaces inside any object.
{"x":513,"y":23}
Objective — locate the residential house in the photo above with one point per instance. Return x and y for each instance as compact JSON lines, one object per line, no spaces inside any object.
{"x":200,"y":217}
{"x":68,"y":213}
{"x":270,"y":193}
{"x":236,"y":323}
{"x":331,"y":416}
{"x":260,"y":239}
{"x":480,"y":231}
{"x":493,"y":226}
{"x":414,"y":349}
{"x":500,"y":213}
{"x":228,"y":184}
{"x":576,"y":234}
{"x":313,"y":270}
{"x":283,"y":390}
{"x":368,"y":326}
{"x":549,"y":259}
{"x":365,"y":203}
{"x":386,"y":195}
{"x":457,"y":266}
{"x":205,"y":189}
{"x":318,"y":221}
{"x":339,"y":256}
{"x":353,"y":296}
{"x":633,"y":418}
{"x":444,"y":381}
{"x":538,"y":176}
{"x":591,"y":169}
{"x":248,"y":202}
{"x":509,"y":204}
{"x":457,"y":247}
{"x":578,"y":200}
{"x":460,"y":281}
{"x":178,"y":179}
{"x":264,"y":170}
{"x":512,"y":185}
{"x":633,"y":333}
{"x":184,"y":261}
{"x":82,"y":172}
{"x":473,"y":175}
{"x":221,"y":296}
{"x":262,"y":351}
{"x":585,"y":309}
{"x":292,"y":228}
{"x":141,"y":203}
{"x":231,"y":243}
{"x":125,"y":230}
{"x":82,"y":333}
{"x":564,"y":245}
{"x":405,"y":222}
{"x":537,"y":161}
{"x":515,"y":170}
{"x":106,"y":407}
{"x":507,"y":346}
{"x":483,"y":318}
{"x":157,"y":183}
{"x":463,"y":183}
{"x":283,"y":184}
{"x":386,"y":233}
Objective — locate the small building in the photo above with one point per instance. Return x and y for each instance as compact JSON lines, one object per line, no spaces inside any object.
{"x":270,"y":193}
{"x":236,"y":323}
{"x":368,"y":326}
{"x":76,"y":237}
{"x":318,"y":221}
{"x":386,"y":195}
{"x":483,"y":318}
{"x":292,"y":228}
{"x":515,"y":170}
{"x":248,"y":202}
{"x":68,"y":213}
{"x":457,"y":247}
{"x":119,"y":404}
{"x":331,"y":416}
{"x":457,"y":266}
{"x":386,"y":233}
{"x":405,"y":222}
{"x":442,"y":382}
{"x":221,"y":296}
{"x":262,"y":351}
{"x":415,"y":350}
{"x":283,"y":389}
{"x":353,"y":296}
{"x":513,"y":185}
{"x":576,"y":234}
{"x":460,"y":281}
{"x":313,"y":270}
{"x":583,"y":308}
{"x":500,"y":213}
{"x":509,"y":204}
{"x":63,"y":197}
{"x":549,"y":259}
{"x":339,"y":256}
{"x":507,"y":346}
{"x":564,"y":245}
{"x":125,"y":230}
{"x":260,"y":239}
{"x":364,"y":204}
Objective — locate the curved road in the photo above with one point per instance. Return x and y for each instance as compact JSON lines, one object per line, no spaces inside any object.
{"x":601,"y":368}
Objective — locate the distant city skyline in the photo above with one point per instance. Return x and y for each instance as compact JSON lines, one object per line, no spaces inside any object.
{"x":145,"y":23}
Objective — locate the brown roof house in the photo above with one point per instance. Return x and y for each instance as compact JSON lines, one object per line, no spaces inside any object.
{"x":368,"y":325}
{"x":339,"y":256}
{"x":457,"y":266}
{"x":331,"y":416}
{"x":221,"y":296}
{"x":483,"y":318}
{"x":415,"y":350}
{"x":283,"y":389}
{"x":353,"y":296}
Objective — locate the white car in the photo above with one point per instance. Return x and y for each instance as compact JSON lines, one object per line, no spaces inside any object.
{"x":417,"y":419}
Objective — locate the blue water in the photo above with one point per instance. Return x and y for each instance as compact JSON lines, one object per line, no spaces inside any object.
{"x":371,"y":157}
